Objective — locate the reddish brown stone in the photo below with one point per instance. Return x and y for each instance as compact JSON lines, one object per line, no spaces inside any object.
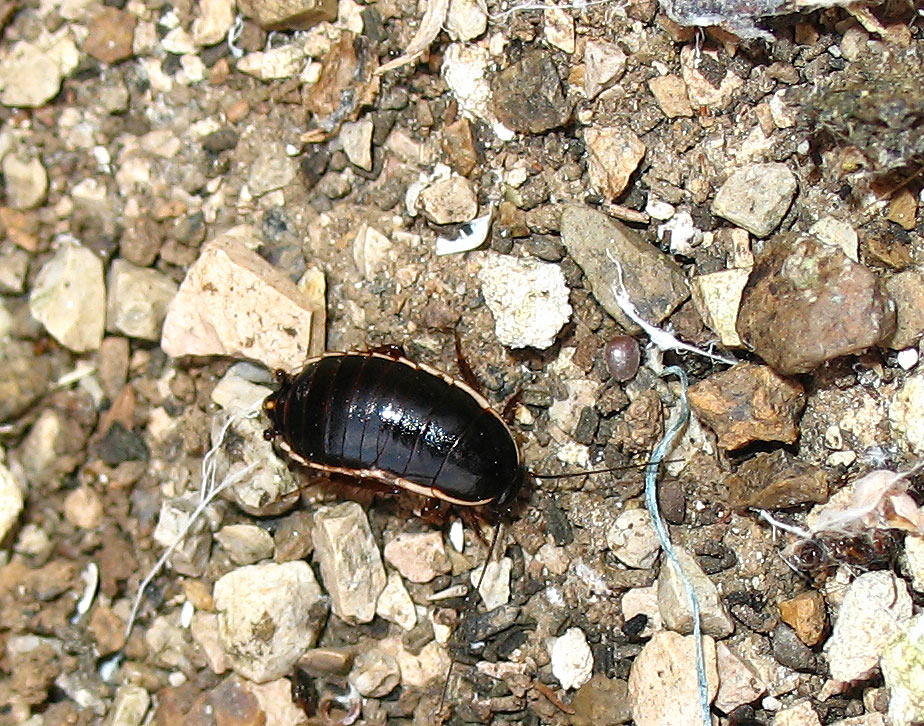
{"x":749,"y":403}
{"x":111,"y":34}
{"x":806,"y":303}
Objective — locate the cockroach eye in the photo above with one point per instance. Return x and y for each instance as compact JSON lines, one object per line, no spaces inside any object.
{"x":622,"y":357}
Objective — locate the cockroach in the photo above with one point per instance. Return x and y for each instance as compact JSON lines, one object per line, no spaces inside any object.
{"x":401,"y":424}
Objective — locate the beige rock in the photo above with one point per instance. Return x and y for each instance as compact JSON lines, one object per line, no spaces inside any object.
{"x":25,"y":182}
{"x":670,"y":92}
{"x":234,"y":303}
{"x":612,"y":155}
{"x":69,"y":298}
{"x":351,"y":566}
{"x":604,"y":63}
{"x":675,"y":605}
{"x":662,"y":682}
{"x":717,"y":296}
{"x":262,"y":617}
{"x":559,"y":28}
{"x":29,"y":77}
{"x":418,"y":556}
{"x":449,"y":201}
{"x":213,"y":22}
{"x":738,"y":682}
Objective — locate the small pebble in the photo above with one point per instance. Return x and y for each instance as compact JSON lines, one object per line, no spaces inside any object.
{"x":262,"y":615}
{"x":572,"y":660}
{"x":868,"y":619}
{"x":756,"y":197}
{"x":351,"y":565}
{"x":622,"y":355}
{"x":419,"y":557}
{"x":528,"y":299}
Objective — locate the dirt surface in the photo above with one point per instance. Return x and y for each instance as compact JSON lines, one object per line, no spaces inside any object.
{"x":132,"y":135}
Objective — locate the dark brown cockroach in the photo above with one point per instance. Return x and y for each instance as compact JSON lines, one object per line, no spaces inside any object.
{"x":400,"y":424}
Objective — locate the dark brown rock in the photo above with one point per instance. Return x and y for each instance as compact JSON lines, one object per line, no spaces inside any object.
{"x":806,"y":303}
{"x":776,"y":481}
{"x":749,"y":403}
{"x":528,"y":96}
{"x":460,"y":147}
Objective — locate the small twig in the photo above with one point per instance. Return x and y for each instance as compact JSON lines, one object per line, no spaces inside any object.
{"x":651,"y":501}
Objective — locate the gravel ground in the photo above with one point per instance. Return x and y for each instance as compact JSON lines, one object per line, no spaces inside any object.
{"x":197,"y":194}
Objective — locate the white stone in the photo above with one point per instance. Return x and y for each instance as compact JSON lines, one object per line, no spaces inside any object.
{"x":372,"y":251}
{"x":418,"y":670}
{"x":213,"y":21}
{"x":738,"y":681}
{"x":604,"y":63}
{"x":784,"y":116}
{"x":869,"y":617}
{"x":137,"y":300}
{"x":802,"y":714}
{"x":835,"y":233}
{"x":245,"y":543}
{"x":914,"y":560}
{"x":204,"y":630}
{"x":675,"y":605}
{"x":351,"y":566}
{"x":234,"y":303}
{"x":633,"y":540}
{"x":262,"y":619}
{"x":903,"y":669}
{"x":662,"y":682}
{"x":29,"y":77}
{"x":717,"y":297}
{"x":375,"y":673}
{"x":449,"y":201}
{"x":236,"y":390}
{"x":69,"y":298}
{"x":643,"y":601}
{"x":559,"y":28}
{"x":528,"y":299}
{"x":572,"y":659}
{"x":466,"y":20}
{"x":25,"y":182}
{"x":356,"y":137}
{"x":419,"y":557}
{"x":395,"y":604}
{"x":11,"y":499}
{"x":129,"y":707}
{"x":495,"y":586}
{"x":905,"y":413}
{"x":756,"y":197}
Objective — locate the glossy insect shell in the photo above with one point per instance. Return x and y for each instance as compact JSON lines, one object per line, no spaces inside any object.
{"x":400,"y":423}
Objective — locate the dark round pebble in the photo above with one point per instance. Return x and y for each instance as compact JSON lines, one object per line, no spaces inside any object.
{"x":622,"y":357}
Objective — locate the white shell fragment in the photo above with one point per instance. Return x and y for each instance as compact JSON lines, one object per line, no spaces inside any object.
{"x":529,"y":300}
{"x":472,"y":236}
